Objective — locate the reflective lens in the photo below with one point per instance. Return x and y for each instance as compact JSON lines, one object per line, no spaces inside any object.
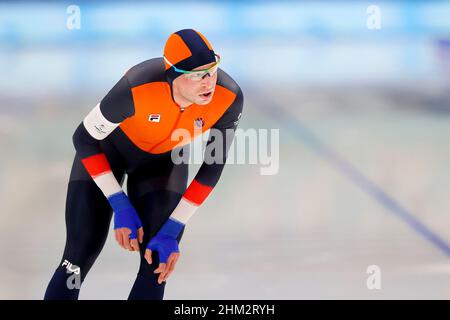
{"x":198,"y":76}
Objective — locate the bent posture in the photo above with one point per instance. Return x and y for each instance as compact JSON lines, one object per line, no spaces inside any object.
{"x":131,"y":131}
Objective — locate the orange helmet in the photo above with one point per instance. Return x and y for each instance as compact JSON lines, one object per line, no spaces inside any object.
{"x":186,"y":49}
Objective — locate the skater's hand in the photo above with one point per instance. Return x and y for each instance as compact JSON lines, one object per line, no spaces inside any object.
{"x":164,"y":269}
{"x":165,"y":242}
{"x":124,"y":240}
{"x":127,"y":225}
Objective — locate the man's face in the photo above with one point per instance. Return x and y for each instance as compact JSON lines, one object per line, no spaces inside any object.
{"x":198,"y":92}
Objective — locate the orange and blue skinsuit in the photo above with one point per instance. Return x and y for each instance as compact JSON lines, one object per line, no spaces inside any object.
{"x":131,"y":131}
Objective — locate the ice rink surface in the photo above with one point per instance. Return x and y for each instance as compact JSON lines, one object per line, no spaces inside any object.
{"x":309,"y":231}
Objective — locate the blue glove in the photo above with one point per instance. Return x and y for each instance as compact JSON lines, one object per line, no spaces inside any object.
{"x":165,"y":241}
{"x":125,"y":216}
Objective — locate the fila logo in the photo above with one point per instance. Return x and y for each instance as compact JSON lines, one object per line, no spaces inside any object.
{"x":154,"y":117}
{"x":71,"y":267}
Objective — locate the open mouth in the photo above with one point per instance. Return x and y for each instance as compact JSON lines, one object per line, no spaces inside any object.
{"x":206,"y":95}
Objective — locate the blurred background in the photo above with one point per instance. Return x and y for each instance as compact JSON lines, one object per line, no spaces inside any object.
{"x":360,"y":93}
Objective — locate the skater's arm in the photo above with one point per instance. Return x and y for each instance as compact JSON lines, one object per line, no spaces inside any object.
{"x":103,"y":119}
{"x":115,"y":107}
{"x":165,"y":241}
{"x":209,"y":173}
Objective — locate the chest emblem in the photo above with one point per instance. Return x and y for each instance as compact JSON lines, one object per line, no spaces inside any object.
{"x":199,"y":122}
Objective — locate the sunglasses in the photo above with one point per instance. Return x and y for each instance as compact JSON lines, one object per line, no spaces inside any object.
{"x":197,"y":75}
